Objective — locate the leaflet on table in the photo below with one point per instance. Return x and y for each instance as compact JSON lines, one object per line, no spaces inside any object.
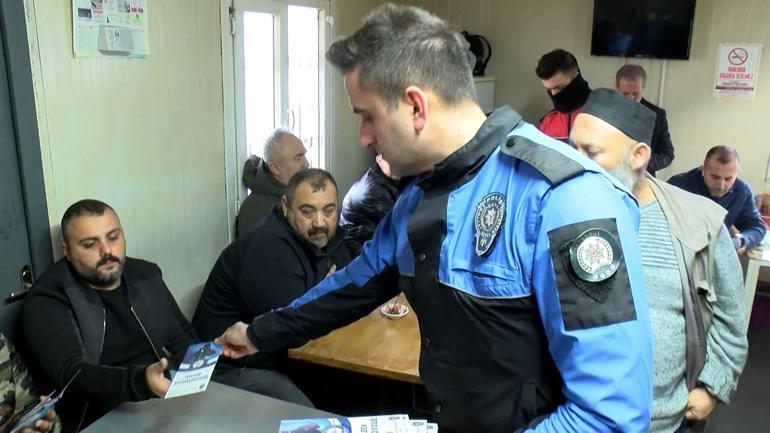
{"x":364,"y":424}
{"x":195,"y":370}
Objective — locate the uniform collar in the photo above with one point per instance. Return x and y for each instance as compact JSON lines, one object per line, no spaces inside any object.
{"x":465,"y":160}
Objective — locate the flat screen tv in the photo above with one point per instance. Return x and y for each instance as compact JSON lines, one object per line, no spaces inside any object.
{"x":643,"y":28}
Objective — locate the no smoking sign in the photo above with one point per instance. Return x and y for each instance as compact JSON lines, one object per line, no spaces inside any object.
{"x":737,"y":69}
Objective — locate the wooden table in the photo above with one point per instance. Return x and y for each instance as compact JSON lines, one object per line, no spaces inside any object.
{"x":373,"y":345}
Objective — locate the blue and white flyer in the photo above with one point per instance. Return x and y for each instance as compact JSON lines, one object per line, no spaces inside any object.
{"x":195,"y":370}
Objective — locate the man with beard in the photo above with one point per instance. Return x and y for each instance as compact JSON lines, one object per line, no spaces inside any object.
{"x":560,"y":74}
{"x":691,"y":270}
{"x":287,"y":253}
{"x":101,"y":319}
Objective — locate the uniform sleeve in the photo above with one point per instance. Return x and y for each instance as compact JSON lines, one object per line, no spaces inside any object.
{"x":599,"y":334}
{"x":726,"y":344}
{"x":341,"y":298}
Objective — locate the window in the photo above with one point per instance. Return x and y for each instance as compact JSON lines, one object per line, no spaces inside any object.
{"x":280,"y":75}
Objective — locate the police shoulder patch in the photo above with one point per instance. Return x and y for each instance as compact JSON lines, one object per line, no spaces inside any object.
{"x":591,"y":276}
{"x":490,"y":215}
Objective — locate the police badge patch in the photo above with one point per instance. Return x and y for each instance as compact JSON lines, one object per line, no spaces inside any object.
{"x":595,"y":255}
{"x":591,"y":274}
{"x":490,"y":214}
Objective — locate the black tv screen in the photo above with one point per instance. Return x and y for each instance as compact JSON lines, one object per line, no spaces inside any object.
{"x":643,"y":28}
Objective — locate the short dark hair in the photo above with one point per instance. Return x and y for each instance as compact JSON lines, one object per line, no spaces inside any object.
{"x":316,"y":177}
{"x":723,"y":153}
{"x":83,"y":207}
{"x":556,"y":61}
{"x":399,"y":46}
{"x":631,"y":72}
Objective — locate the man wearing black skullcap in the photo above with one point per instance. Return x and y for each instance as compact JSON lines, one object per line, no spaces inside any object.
{"x":691,"y":270}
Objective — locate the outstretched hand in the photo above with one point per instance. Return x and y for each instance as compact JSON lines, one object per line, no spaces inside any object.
{"x":235,"y":343}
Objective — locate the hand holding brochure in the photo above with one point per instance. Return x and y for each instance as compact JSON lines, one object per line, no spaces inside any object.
{"x":30,"y":416}
{"x":195,"y":370}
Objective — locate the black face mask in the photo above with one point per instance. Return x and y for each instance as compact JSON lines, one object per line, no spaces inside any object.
{"x":571,"y":97}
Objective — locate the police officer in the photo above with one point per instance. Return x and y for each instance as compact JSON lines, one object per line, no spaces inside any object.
{"x":517,"y":253}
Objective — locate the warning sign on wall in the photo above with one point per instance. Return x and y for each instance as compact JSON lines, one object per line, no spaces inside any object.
{"x":737,"y":70}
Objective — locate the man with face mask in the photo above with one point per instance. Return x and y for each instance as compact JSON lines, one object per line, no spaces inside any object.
{"x":560,"y":74}
{"x":102,"y":320}
{"x":294,"y":248}
{"x":692,"y":274}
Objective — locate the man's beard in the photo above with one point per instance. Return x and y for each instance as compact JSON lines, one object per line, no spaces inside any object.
{"x":624,"y":174}
{"x":97,"y":279}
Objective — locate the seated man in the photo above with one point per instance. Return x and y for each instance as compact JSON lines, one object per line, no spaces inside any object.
{"x":291,"y":250}
{"x":17,"y":393}
{"x":284,"y":155}
{"x":560,"y":74}
{"x":717,"y":179}
{"x":367,"y":202}
{"x":631,"y":80}
{"x":105,"y":317}
{"x":691,"y":272}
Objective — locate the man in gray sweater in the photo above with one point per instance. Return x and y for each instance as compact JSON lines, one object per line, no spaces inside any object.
{"x":691,"y":270}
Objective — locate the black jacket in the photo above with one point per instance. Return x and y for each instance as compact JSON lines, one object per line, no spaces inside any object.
{"x":63,"y":322}
{"x":266,"y":192}
{"x":366,"y":203}
{"x":662,"y":150}
{"x":264,"y":269}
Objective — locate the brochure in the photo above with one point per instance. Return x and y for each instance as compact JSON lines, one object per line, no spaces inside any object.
{"x":365,"y":424}
{"x":28,"y":418}
{"x":315,"y":425}
{"x":195,"y":370}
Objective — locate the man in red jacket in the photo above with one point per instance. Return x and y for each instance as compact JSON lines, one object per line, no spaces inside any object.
{"x":560,"y":74}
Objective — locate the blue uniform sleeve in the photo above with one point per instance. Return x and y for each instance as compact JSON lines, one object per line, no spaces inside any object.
{"x":599,"y":334}
{"x":339,"y":299}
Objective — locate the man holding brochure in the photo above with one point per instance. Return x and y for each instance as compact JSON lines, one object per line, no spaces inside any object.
{"x":103,"y":318}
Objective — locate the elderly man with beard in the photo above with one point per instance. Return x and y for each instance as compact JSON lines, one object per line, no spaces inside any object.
{"x":287,"y":253}
{"x":102,"y":320}
{"x":691,"y":270}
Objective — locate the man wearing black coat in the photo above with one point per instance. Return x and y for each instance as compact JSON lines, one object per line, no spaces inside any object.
{"x":287,"y":253}
{"x":102,"y":320}
{"x":367,"y":202}
{"x":630,"y":80}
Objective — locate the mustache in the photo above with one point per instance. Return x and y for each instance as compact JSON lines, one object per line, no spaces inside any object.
{"x":106,"y":259}
{"x":318,"y":231}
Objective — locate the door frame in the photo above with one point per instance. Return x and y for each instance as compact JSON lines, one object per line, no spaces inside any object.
{"x":13,"y":20}
{"x":234,"y":190}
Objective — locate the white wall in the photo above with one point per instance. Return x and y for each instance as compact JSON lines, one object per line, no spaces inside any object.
{"x":520,"y":31}
{"x":144,"y":135}
{"x":348,"y":159}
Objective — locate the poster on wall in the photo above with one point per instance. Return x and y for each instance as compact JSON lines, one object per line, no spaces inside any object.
{"x":737,"y":70}
{"x":110,"y":28}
